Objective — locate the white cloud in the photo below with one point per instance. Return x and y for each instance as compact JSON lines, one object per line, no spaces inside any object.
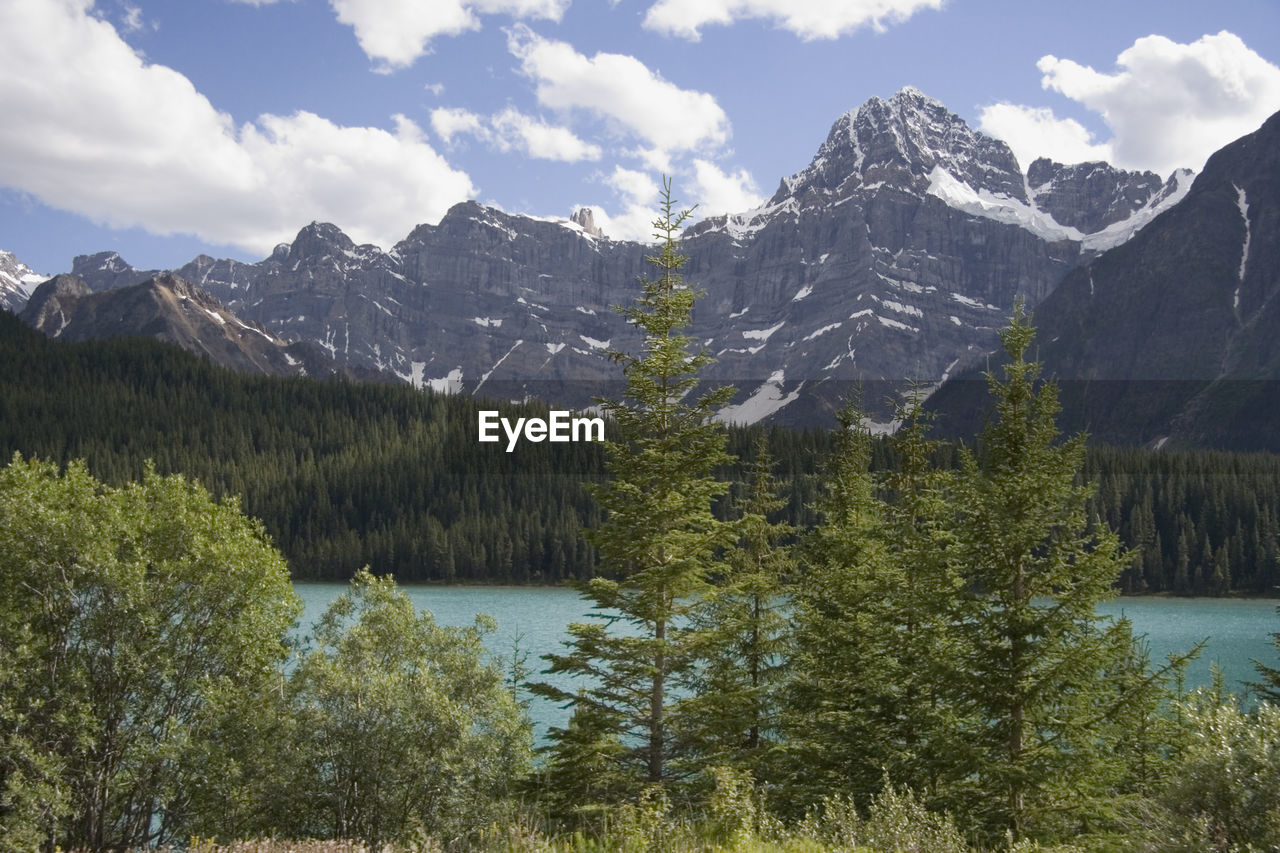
{"x":638,"y":195}
{"x":91,"y":128}
{"x":132,"y":21}
{"x":540,"y":140}
{"x":711,"y":189}
{"x":512,"y":130}
{"x":808,"y":19}
{"x":622,"y":90}
{"x":717,"y":192}
{"x":448,"y":122}
{"x":1168,"y":105}
{"x":394,"y":33}
{"x":1036,"y":132}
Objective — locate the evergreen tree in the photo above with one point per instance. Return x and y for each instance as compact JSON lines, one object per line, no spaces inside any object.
{"x":1038,"y":660}
{"x":733,"y":715}
{"x":873,"y":633}
{"x":659,"y":538}
{"x":844,"y":665}
{"x":1269,"y":688}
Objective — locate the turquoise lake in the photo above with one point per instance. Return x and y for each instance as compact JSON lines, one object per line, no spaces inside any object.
{"x":534,"y":620}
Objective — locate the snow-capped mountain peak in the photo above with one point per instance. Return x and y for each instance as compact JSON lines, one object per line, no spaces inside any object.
{"x":17,"y":281}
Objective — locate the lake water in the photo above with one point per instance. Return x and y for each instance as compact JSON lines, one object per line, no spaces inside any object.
{"x":534,"y":619}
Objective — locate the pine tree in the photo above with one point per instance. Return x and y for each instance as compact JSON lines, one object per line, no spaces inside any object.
{"x":732,"y":717}
{"x":1039,"y":660}
{"x":874,"y":636}
{"x":659,"y":539}
{"x":844,"y":666}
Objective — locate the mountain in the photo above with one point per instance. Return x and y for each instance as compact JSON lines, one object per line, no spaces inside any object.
{"x":17,"y":280}
{"x":171,"y":309}
{"x":1171,"y":339}
{"x":892,"y":256}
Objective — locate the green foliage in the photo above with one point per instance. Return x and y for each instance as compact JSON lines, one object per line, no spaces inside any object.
{"x":1269,"y":688}
{"x":731,"y":717}
{"x":1037,"y":662}
{"x":136,"y":622}
{"x":401,"y":727}
{"x":659,"y":538}
{"x":844,"y":665}
{"x":874,"y":641}
{"x":342,"y":474}
{"x":895,"y":821}
{"x":1224,"y":787}
{"x":345,"y":474}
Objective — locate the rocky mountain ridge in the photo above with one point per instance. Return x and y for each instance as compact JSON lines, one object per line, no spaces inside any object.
{"x":17,"y":281}
{"x":893,"y":256}
{"x":1173,"y":338}
{"x":172,"y":309}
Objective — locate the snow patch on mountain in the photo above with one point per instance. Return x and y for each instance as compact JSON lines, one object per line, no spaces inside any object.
{"x":1242,"y":202}
{"x":1123,"y":231}
{"x":822,"y":331}
{"x":450,"y":383}
{"x":982,"y":202}
{"x":762,"y":334}
{"x":764,"y":402}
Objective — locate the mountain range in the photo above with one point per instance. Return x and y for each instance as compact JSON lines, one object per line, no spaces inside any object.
{"x":891,"y":258}
{"x":1173,"y":338}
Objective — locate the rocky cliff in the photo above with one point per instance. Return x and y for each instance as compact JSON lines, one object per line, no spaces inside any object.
{"x":891,"y":257}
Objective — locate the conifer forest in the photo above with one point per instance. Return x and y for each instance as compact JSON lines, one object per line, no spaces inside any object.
{"x":798,"y":640}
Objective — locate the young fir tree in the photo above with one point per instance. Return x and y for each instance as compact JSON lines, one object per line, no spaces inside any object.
{"x":874,"y":641}
{"x":658,"y":541}
{"x":1039,"y":667}
{"x":1269,"y":688}
{"x":841,"y":692}
{"x":733,"y":713}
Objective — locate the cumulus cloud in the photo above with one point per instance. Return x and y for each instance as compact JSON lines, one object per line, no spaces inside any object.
{"x":1167,"y":104}
{"x":717,"y":192}
{"x":515,"y":130}
{"x":637,"y":193}
{"x":810,"y":19}
{"x":712,"y":189}
{"x":512,"y":130}
{"x":1036,"y":132}
{"x":622,"y":90}
{"x":449,"y":122}
{"x":394,"y":33}
{"x":93,"y":129}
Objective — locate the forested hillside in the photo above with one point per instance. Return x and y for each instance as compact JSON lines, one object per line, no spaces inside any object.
{"x":345,"y":474}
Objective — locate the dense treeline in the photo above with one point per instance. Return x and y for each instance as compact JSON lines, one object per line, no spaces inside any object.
{"x":1196,"y":522}
{"x":347,"y":474}
{"x":342,"y":474}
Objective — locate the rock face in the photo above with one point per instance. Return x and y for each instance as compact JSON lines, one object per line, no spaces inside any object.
{"x":17,"y":281}
{"x":170,"y":309}
{"x":1173,"y":339}
{"x":586,"y":220}
{"x":1090,"y":196}
{"x":892,"y":257}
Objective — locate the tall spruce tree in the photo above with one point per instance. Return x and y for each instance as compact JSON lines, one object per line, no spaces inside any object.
{"x":1039,"y":668}
{"x":658,"y":541}
{"x":844,"y":667}
{"x":745,"y":619}
{"x":873,"y":623}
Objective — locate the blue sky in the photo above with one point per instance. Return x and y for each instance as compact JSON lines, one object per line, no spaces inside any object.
{"x":165,"y":128}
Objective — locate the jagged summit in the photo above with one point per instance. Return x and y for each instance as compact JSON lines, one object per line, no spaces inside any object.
{"x":17,"y":281}
{"x":893,"y":255}
{"x":899,"y":142}
{"x":585,"y":219}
